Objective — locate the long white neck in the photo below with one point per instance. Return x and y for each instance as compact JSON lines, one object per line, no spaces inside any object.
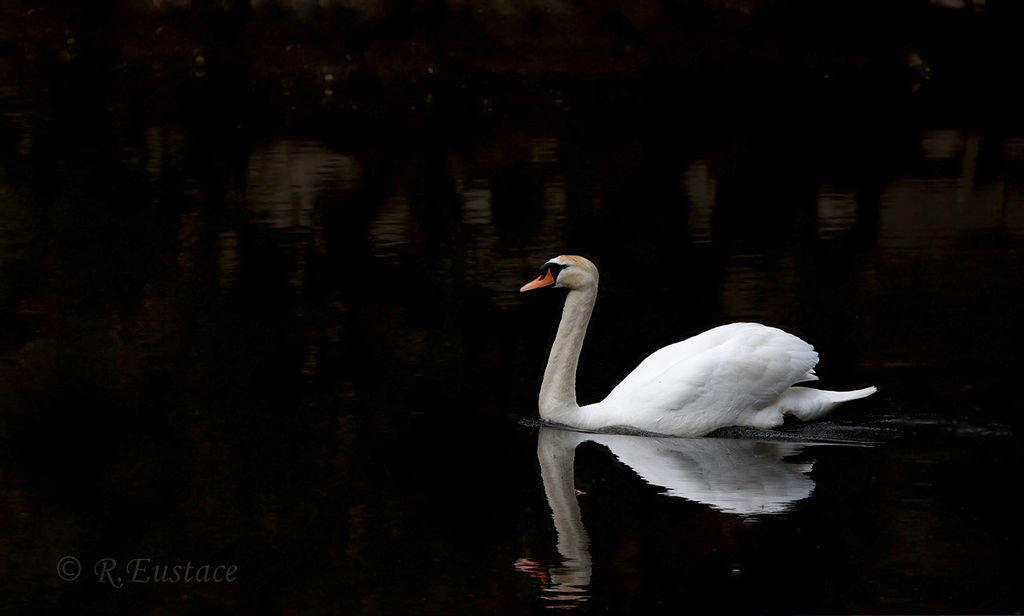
{"x":558,"y":391}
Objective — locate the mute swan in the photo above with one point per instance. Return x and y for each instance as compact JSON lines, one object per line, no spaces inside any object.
{"x":740,"y":374}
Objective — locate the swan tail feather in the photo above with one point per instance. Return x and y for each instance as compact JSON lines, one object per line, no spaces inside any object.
{"x":809,"y":404}
{"x":810,"y":376}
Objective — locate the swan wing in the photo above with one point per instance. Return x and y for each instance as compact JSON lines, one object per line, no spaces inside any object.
{"x":738,"y":366}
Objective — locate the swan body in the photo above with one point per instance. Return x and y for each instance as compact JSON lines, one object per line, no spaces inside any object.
{"x":741,"y":374}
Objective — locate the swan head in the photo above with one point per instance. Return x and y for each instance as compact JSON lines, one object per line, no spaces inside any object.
{"x":565,"y":272}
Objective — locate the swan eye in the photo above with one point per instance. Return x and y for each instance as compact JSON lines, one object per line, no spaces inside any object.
{"x":554,"y":268}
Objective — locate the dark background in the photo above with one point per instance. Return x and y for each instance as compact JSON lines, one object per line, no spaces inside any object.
{"x":258,"y":293}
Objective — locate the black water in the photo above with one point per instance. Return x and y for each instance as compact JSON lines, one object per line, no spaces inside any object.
{"x":264,"y":321}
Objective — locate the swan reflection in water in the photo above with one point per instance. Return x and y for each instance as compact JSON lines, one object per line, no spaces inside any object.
{"x":741,"y":477}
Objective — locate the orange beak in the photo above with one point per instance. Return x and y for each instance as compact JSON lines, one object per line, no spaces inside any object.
{"x":543,"y":281}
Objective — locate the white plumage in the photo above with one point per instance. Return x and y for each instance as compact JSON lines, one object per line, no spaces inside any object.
{"x":740,"y":374}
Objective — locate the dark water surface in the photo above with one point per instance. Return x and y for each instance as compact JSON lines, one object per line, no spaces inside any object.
{"x":281,"y":338}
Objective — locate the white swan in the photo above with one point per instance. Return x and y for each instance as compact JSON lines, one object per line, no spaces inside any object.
{"x":734,"y":375}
